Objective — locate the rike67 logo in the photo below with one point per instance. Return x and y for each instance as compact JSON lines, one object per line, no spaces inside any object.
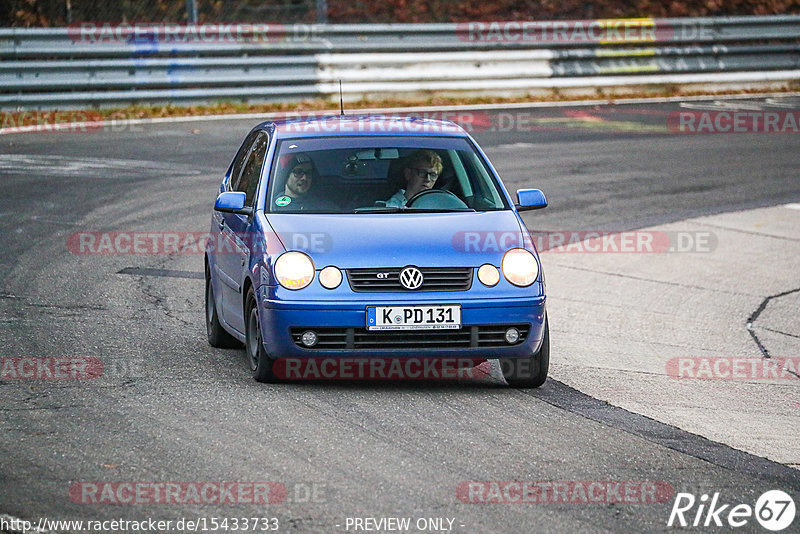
{"x":774,"y":510}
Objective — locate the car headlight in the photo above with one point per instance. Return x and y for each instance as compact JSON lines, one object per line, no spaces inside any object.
{"x":330,"y":277}
{"x":520,"y":267}
{"x":488,"y":275}
{"x":294,"y":270}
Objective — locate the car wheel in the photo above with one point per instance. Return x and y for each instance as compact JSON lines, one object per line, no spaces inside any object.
{"x":260,"y":362}
{"x":217,"y":336}
{"x":529,"y":372}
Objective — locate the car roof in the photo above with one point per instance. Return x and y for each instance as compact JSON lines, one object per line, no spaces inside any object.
{"x":360,"y":125}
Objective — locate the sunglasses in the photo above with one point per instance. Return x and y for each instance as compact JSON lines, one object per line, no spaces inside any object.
{"x":300,"y":172}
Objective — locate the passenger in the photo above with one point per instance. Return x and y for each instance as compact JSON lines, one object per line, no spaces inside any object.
{"x":421,"y":171}
{"x":297,"y":194}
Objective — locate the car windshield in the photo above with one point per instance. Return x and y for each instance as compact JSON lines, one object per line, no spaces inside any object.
{"x":381,"y":174}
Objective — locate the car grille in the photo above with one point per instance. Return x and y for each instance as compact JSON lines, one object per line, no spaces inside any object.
{"x":492,"y":336}
{"x":435,"y":279}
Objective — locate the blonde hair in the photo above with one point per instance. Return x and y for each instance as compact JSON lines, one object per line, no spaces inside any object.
{"x":429,"y":158}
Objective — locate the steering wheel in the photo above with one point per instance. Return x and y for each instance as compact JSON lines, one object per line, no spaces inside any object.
{"x":436,"y":199}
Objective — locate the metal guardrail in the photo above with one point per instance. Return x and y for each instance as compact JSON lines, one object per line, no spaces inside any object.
{"x":89,"y":64}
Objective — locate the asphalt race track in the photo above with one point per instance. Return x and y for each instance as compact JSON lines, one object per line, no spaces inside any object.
{"x":168,"y":408}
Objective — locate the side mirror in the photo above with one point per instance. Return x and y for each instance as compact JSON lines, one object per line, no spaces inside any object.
{"x":530,"y":199}
{"x":232,"y":202}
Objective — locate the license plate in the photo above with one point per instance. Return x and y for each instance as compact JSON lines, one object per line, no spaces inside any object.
{"x":414,"y":317}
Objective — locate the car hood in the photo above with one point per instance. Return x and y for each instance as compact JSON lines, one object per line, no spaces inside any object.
{"x":354,"y":241}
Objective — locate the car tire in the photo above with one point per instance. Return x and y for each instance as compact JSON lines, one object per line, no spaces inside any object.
{"x":529,"y":372}
{"x":257,"y":357}
{"x":217,"y":336}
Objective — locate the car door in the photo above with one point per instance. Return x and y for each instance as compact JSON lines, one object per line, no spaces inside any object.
{"x":220,"y":261}
{"x":235,"y":233}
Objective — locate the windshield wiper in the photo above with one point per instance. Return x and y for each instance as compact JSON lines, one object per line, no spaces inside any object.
{"x":378,"y":209}
{"x":382,"y":209}
{"x":438,"y":210}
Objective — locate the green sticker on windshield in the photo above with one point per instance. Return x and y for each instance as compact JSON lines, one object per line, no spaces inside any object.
{"x":283,"y":201}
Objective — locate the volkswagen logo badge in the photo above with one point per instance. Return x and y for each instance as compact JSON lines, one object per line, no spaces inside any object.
{"x":411,"y":278}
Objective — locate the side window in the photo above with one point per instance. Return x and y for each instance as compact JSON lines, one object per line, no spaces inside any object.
{"x":238,"y":161}
{"x":487,"y":196}
{"x":251,"y":168}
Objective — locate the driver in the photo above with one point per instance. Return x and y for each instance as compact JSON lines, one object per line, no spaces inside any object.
{"x":421,"y":171}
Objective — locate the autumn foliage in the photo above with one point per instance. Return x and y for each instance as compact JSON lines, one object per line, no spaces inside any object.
{"x":33,"y":13}
{"x":465,"y":10}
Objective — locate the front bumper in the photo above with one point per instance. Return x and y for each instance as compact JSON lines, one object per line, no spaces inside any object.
{"x":343,"y":326}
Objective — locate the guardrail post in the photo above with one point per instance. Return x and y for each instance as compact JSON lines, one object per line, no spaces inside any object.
{"x":322,"y":11}
{"x":191,"y":11}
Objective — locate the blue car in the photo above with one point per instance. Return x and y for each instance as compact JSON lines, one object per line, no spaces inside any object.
{"x":373,"y":237}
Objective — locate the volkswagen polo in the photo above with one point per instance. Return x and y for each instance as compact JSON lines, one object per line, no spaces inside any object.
{"x":373,"y":237}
